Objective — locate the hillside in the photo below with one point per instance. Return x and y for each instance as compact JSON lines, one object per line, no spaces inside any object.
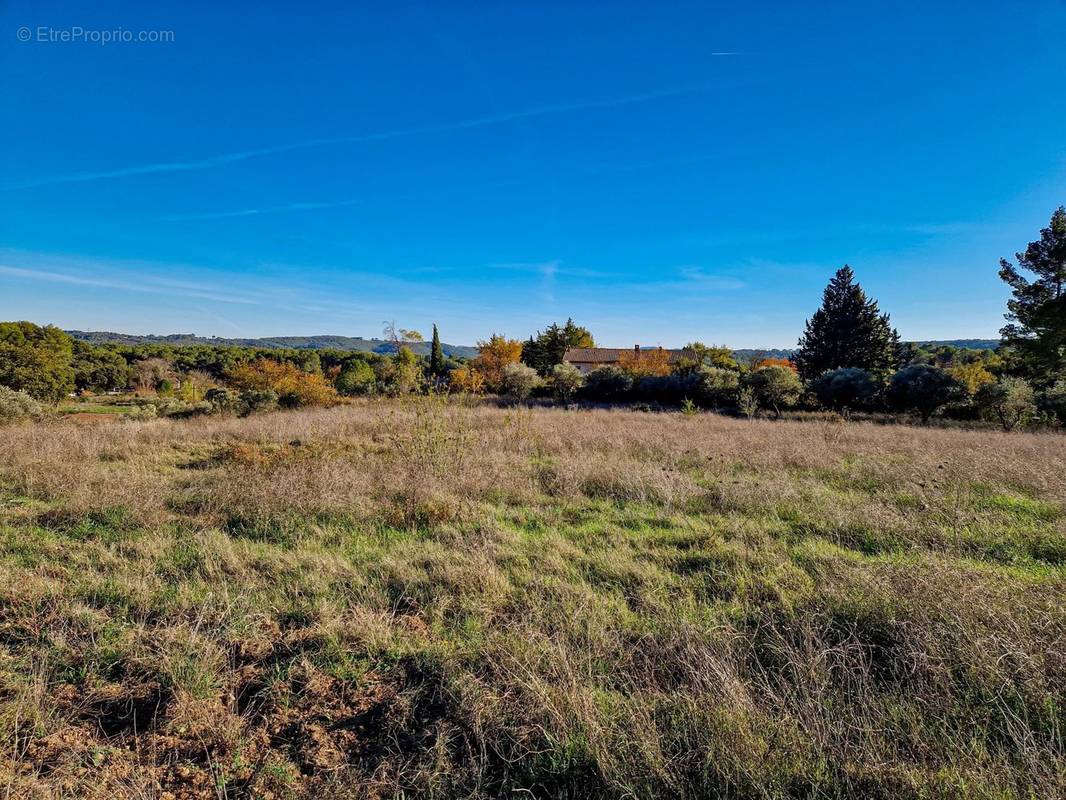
{"x":358,"y":343}
{"x":324,"y":342}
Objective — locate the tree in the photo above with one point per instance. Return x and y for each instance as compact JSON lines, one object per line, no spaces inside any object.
{"x":493,"y":356}
{"x":844,"y":389}
{"x":924,"y":389}
{"x":466,"y":380}
{"x":292,"y":386}
{"x":98,"y":369}
{"x":774,"y":387}
{"x":355,"y":379}
{"x":1011,"y":402}
{"x":641,"y":363}
{"x":149,"y":374}
{"x":36,"y":360}
{"x":519,"y":381}
{"x":436,"y":355}
{"x":774,"y":362}
{"x":713,"y":355}
{"x":847,"y":331}
{"x":398,"y":337}
{"x":1035,"y":336}
{"x":566,"y":379}
{"x":973,"y":375}
{"x":547,"y":349}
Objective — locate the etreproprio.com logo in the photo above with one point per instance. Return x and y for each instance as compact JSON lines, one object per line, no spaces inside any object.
{"x":77,"y":34}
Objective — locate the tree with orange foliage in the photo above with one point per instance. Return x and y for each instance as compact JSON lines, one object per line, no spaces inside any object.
{"x":292,"y":385}
{"x":466,"y":380}
{"x":774,"y":362}
{"x":641,"y":363}
{"x":493,"y":356}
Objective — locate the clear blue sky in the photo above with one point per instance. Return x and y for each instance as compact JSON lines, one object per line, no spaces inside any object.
{"x":660,"y":172}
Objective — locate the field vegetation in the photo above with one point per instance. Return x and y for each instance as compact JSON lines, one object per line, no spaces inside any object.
{"x":439,"y":597}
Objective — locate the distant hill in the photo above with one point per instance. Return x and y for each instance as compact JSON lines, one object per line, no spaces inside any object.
{"x":351,"y":343}
{"x":359,"y":344}
{"x":969,"y":344}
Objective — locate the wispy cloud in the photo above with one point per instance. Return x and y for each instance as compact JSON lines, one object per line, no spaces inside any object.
{"x":602,"y":169}
{"x":694,"y":280}
{"x":161,"y":286}
{"x":244,"y":155}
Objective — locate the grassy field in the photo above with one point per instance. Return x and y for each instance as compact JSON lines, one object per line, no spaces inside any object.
{"x":446,"y":600}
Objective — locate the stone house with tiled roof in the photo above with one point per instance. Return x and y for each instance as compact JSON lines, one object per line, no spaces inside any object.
{"x":587,"y":359}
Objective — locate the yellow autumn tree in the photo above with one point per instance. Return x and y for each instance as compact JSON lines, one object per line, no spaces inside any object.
{"x":493,"y":356}
{"x":973,"y":376}
{"x":466,"y":380}
{"x":640,"y":363}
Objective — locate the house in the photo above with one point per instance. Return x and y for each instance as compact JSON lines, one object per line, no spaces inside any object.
{"x":587,"y":359}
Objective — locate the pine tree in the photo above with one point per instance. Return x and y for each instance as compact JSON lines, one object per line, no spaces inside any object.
{"x":1035,"y":337}
{"x":436,"y":355}
{"x":847,"y":331}
{"x":549,"y":348}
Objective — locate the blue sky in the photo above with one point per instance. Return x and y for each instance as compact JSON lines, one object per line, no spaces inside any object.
{"x":660,"y":172}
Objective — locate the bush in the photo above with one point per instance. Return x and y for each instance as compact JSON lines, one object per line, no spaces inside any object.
{"x":718,"y":387}
{"x":924,"y":389}
{"x":607,"y":383}
{"x":1011,"y":402}
{"x":1053,"y":400}
{"x":672,"y":389}
{"x":566,"y":379}
{"x":519,"y":381}
{"x":17,"y":406}
{"x":774,"y":387}
{"x":356,"y":379}
{"x":253,"y":400}
{"x":844,"y":389}
{"x":224,"y":401}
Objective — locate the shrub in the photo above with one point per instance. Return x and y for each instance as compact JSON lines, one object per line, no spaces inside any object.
{"x":608,"y":383}
{"x":718,"y":386}
{"x":566,"y":379}
{"x":1010,"y":402}
{"x":671,"y":389}
{"x":466,"y":380}
{"x":1053,"y":400}
{"x":356,"y":379}
{"x":519,"y":381}
{"x":924,"y":389}
{"x":16,"y":406}
{"x":253,"y":400}
{"x":224,"y":401}
{"x":775,"y":387}
{"x":844,"y":389}
{"x":294,"y":387}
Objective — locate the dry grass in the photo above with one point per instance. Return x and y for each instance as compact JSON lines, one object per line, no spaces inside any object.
{"x":440,"y":599}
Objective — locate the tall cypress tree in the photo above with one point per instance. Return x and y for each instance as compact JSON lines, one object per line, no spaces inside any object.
{"x":847,"y":331}
{"x":436,"y":355}
{"x":1035,"y":337}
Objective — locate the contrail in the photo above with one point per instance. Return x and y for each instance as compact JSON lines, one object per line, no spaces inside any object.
{"x":244,"y":155}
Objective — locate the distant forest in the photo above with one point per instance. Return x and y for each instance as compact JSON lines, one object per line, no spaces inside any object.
{"x":347,"y":343}
{"x":361,"y":345}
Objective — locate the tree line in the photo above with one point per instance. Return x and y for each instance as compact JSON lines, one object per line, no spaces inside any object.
{"x":849,"y":359}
